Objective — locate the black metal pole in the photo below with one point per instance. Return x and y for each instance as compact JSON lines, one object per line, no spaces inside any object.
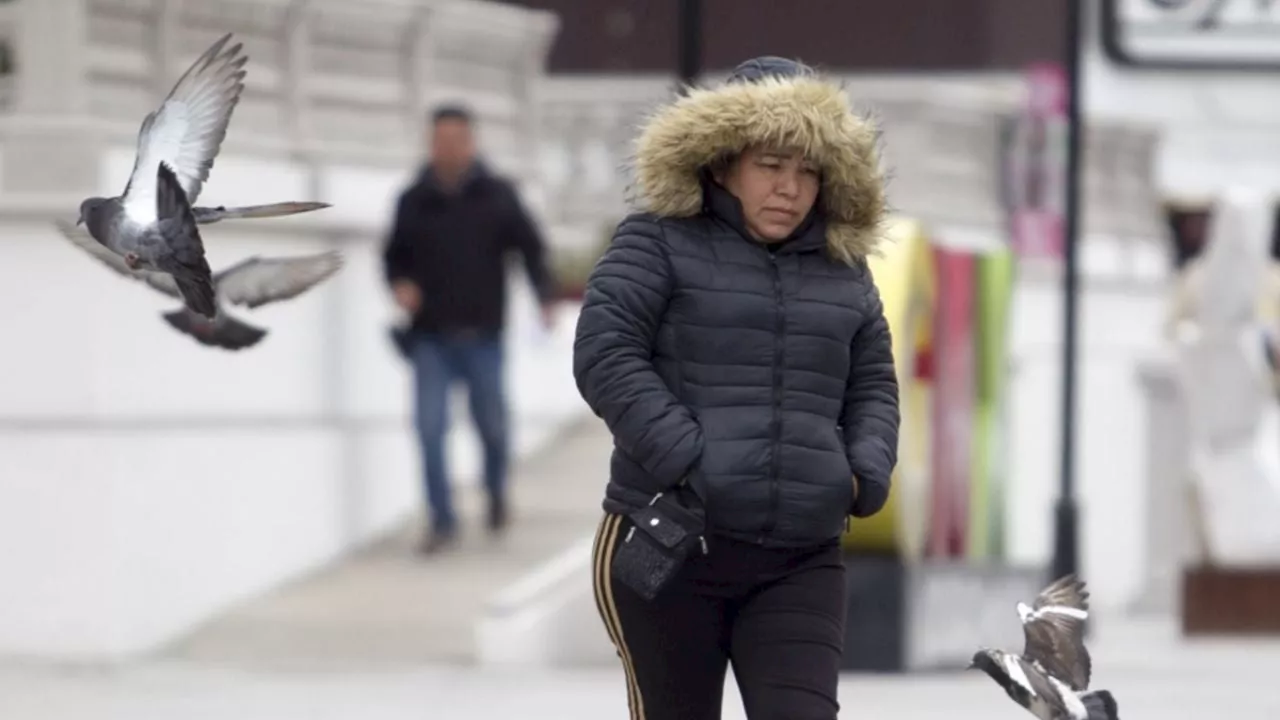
{"x":1066,"y":536}
{"x":690,"y":42}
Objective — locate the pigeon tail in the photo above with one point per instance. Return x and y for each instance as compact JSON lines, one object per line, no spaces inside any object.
{"x":207,"y":215}
{"x":226,"y":332}
{"x":198,"y":294}
{"x":1100,"y":705}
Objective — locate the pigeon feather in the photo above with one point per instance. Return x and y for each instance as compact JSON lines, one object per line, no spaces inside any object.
{"x":187,"y":130}
{"x":257,"y":281}
{"x":159,"y":281}
{"x":1054,"y":631}
{"x":252,"y":282}
{"x":184,"y":259}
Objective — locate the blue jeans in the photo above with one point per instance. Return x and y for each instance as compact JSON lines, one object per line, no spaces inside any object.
{"x":477,"y":360}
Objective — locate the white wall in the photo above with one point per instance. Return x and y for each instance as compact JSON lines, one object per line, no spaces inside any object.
{"x":148,"y":483}
{"x":1217,"y":127}
{"x":1118,"y":328}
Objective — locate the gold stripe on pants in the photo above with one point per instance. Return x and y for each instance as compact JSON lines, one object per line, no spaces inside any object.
{"x":602,"y":583}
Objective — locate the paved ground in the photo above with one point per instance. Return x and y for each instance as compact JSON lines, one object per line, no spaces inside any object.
{"x":1153,"y":676}
{"x":387,"y":637}
{"x":388,"y":607}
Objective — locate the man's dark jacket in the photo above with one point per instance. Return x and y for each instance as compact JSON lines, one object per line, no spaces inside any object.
{"x":454,"y":247}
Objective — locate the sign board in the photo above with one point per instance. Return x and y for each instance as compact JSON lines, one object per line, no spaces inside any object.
{"x":1230,"y":35}
{"x":1033,"y":166}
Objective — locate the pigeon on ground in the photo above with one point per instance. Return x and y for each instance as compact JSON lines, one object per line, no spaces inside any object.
{"x":1051,"y":677}
{"x":251,"y":282}
{"x":152,"y":224}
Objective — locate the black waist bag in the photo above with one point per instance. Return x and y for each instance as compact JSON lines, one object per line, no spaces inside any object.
{"x":661,"y":536}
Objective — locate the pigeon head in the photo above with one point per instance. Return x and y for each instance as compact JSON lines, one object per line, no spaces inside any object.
{"x":89,"y":208}
{"x":985,"y":661}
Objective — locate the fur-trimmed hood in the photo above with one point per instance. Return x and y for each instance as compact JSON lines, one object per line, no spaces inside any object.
{"x":773,"y":102}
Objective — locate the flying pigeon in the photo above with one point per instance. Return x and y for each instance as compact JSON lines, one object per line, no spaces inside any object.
{"x":1051,"y":677}
{"x":152,"y":224}
{"x":251,"y":282}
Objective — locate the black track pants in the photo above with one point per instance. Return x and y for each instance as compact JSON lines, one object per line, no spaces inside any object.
{"x":776,"y":614}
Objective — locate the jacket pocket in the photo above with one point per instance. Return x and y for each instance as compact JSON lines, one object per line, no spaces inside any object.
{"x":851,"y":480}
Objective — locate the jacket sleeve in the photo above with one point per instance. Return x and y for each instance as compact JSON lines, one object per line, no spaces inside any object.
{"x":397,"y":253}
{"x":871,"y":415}
{"x":523,"y":235}
{"x":626,"y":297}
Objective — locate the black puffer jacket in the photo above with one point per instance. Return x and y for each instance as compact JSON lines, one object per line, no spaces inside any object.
{"x":764,"y":376}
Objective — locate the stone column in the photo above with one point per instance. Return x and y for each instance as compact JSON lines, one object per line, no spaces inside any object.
{"x":531,"y":68}
{"x":48,"y":150}
{"x":166,"y":20}
{"x":418,"y":69}
{"x":51,"y":52}
{"x":297,"y":65}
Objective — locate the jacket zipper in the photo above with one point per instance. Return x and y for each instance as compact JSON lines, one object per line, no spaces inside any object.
{"x":779,"y":342}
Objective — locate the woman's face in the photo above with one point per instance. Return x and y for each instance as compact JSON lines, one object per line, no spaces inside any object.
{"x":777,"y":189}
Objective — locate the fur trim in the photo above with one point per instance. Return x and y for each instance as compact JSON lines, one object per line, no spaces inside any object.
{"x":804,"y":112}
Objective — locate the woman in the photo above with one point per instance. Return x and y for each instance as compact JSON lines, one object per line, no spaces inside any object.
{"x":734,"y":343}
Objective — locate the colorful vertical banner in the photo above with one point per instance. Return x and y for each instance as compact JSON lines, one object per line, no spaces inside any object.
{"x":904,"y":277}
{"x":1035,"y":165}
{"x":953,"y":377}
{"x":994,"y":288}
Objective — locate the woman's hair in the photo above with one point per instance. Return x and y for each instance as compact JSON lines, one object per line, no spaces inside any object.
{"x":768,"y":102}
{"x":722,"y":164}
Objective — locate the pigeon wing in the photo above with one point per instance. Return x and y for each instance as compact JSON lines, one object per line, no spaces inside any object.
{"x":187,"y":130}
{"x":1042,"y":687}
{"x":208,"y":215}
{"x":258,"y":281}
{"x":1054,"y":632}
{"x":184,"y":250}
{"x":162,"y":282}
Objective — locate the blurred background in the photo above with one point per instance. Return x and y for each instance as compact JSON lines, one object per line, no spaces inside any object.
{"x":191,"y":533}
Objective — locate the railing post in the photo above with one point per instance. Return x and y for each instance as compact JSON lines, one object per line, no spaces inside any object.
{"x":43,"y":153}
{"x":297,"y":72}
{"x":165,"y":22}
{"x":52,"y":53}
{"x":417,"y":67}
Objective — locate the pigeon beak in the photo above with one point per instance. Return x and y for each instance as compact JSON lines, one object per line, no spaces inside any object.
{"x":80,"y":221}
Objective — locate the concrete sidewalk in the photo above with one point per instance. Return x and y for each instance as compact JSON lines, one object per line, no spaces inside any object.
{"x":1153,"y":674}
{"x":389,"y":607}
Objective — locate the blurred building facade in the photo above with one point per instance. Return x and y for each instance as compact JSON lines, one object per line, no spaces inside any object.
{"x":130,"y":512}
{"x":635,"y":36}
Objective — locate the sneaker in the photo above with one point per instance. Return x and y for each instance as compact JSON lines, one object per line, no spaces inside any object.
{"x":498,"y":517}
{"x":436,"y":541}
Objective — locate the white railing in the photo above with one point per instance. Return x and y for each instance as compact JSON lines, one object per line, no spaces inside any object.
{"x":338,"y":83}
{"x":329,"y":81}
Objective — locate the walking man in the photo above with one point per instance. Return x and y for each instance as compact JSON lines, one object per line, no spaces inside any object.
{"x":446,"y":265}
